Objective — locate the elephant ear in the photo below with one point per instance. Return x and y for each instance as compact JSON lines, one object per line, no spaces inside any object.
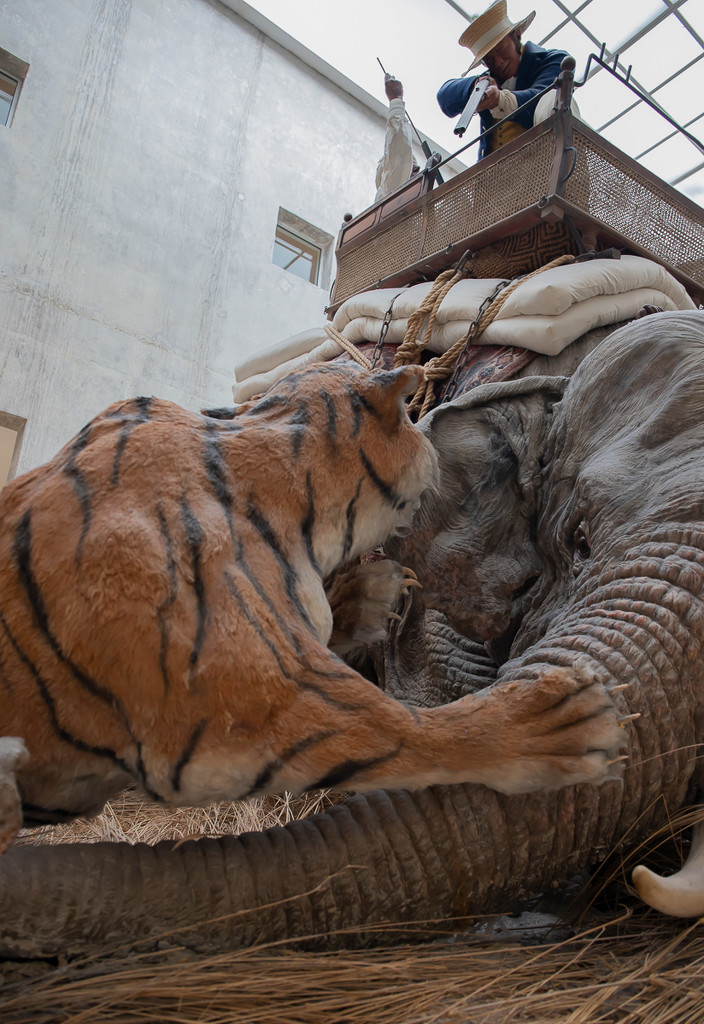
{"x":472,"y":542}
{"x":516,"y":413}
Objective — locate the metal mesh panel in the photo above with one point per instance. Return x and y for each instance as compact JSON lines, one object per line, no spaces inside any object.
{"x":490,"y":195}
{"x":632,"y":204}
{"x":386,"y":253}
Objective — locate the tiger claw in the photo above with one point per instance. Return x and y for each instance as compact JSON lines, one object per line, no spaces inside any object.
{"x":615,"y":760}
{"x":623,"y":719}
{"x":393,"y":615}
{"x":408,"y":572}
{"x":405,"y":584}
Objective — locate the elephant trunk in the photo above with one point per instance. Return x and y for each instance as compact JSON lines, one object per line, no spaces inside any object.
{"x":382,"y":867}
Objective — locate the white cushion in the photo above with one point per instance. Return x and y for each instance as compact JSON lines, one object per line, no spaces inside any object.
{"x":281,"y":352}
{"x":544,"y":314}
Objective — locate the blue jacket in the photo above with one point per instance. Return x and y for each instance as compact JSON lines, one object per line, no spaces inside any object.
{"x":537,"y":69}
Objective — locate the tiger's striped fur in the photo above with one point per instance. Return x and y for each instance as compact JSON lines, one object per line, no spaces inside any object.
{"x":163,"y":618}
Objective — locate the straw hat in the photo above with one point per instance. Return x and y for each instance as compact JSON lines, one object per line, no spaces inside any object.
{"x":489,"y":29}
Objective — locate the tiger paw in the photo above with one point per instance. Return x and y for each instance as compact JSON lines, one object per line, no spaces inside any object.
{"x":13,"y":754}
{"x":363,"y":598}
{"x":559,"y":730}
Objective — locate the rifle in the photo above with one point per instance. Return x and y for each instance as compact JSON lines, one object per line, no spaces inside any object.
{"x":424,"y":145}
{"x":475,"y":97}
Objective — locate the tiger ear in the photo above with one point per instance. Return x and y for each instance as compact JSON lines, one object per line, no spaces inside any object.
{"x":392,"y":386}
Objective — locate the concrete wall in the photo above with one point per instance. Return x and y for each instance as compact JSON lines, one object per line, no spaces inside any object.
{"x":152,"y":146}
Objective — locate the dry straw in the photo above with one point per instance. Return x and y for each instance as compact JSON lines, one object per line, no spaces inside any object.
{"x":621,"y":965}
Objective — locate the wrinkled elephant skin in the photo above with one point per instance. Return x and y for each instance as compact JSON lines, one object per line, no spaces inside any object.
{"x":570,"y":522}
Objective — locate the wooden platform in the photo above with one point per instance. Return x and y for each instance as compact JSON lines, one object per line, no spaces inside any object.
{"x":560,"y":187}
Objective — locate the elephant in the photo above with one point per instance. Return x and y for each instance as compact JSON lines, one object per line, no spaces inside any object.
{"x":567,"y":532}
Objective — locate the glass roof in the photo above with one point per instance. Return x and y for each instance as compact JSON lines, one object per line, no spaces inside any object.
{"x":662,"y":41}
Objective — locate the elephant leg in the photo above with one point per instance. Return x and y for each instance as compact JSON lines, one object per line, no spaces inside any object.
{"x":13,"y":754}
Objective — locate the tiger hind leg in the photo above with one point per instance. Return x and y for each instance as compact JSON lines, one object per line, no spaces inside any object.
{"x":13,"y":754}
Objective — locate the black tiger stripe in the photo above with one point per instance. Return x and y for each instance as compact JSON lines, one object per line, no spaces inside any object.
{"x":263,"y":778}
{"x":119,"y":451}
{"x":309,"y":741}
{"x":308,"y":524}
{"x":266,"y":532}
{"x":269,"y":770}
{"x":141,"y":770}
{"x":346,"y":770}
{"x":80,"y":485}
{"x":351,"y":518}
{"x":385,"y":489}
{"x":270,"y":402}
{"x":216,"y":472}
{"x":4,"y":681}
{"x":187,"y":754}
{"x":384,"y":379}
{"x":21,"y":550}
{"x":299,"y":683}
{"x":50,"y":704}
{"x":331,"y":410}
{"x":143,"y":415}
{"x":194,"y":540}
{"x":262,"y":594}
{"x":327,"y":698}
{"x":223,"y":412}
{"x":256,"y":625}
{"x":300,"y":419}
{"x":360,"y":404}
{"x":169,"y":599}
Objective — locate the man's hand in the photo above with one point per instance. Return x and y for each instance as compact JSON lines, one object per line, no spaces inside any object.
{"x":491,"y":96}
{"x":392,"y":87}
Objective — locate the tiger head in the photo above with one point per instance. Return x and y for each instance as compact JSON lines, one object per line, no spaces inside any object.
{"x":341,"y":448}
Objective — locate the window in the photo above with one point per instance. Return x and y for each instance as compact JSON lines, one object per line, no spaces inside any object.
{"x":302,"y":249}
{"x":8,"y":94}
{"x":12,"y":74}
{"x":294,"y":253}
{"x":11,"y":428}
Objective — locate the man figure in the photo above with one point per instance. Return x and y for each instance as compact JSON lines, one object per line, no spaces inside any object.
{"x":396,"y":165}
{"x":517,"y":72}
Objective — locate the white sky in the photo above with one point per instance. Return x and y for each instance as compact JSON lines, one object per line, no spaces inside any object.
{"x":416,"y":40}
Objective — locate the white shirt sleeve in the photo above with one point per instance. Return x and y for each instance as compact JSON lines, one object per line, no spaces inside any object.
{"x":506,"y":105}
{"x":395,"y":165}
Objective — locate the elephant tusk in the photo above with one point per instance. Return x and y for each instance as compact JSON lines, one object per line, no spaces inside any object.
{"x":681,"y":894}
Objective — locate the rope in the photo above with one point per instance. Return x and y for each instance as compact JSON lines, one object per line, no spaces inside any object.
{"x":410,"y":348}
{"x":349,"y":347}
{"x":441,"y":367}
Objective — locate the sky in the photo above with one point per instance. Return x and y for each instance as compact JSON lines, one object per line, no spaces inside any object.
{"x":416,"y":40}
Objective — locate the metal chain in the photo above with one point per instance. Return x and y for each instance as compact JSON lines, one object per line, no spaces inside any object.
{"x":376,"y":354}
{"x":463,"y":355}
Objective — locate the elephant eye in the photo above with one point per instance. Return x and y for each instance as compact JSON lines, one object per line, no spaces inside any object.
{"x":580,"y":541}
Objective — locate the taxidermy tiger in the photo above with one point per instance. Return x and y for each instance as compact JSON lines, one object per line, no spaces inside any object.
{"x":163,"y":617}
